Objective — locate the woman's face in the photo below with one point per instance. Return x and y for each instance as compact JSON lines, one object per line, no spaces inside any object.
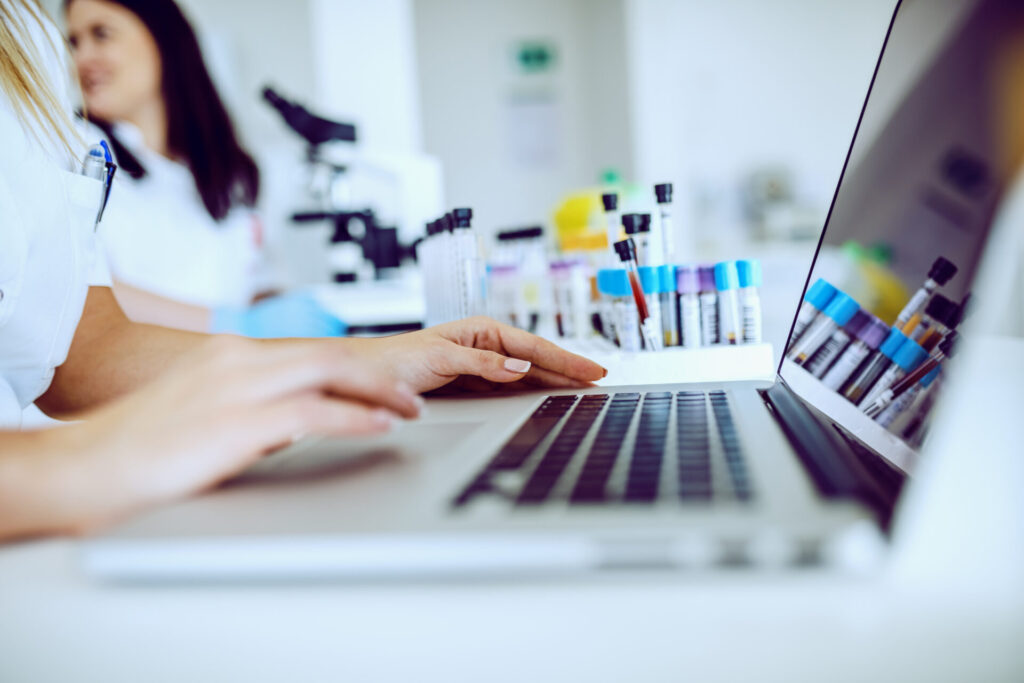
{"x":117,"y":59}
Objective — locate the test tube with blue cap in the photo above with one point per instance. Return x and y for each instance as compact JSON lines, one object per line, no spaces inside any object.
{"x":882,"y":401}
{"x":870,"y":370}
{"x":836,"y":314}
{"x":750,"y":281}
{"x":910,"y":355}
{"x":816,"y":299}
{"x":613,"y":284}
{"x":889,"y":415}
{"x":669,"y":317}
{"x":727,"y":281}
{"x":829,"y":352}
{"x":688,"y":288}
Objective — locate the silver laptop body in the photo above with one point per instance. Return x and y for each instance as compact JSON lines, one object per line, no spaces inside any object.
{"x":739,"y":474}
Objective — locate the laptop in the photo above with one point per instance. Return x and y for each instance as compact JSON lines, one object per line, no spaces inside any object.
{"x":670,"y":476}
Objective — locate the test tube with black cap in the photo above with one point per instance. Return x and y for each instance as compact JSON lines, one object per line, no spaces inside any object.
{"x":942,"y":271}
{"x":631,"y":225}
{"x":940,"y":316}
{"x":663,"y":194}
{"x":468,"y":268}
{"x":626,"y":249}
{"x":449,"y":269}
{"x":425,"y":251}
{"x":612,"y":223}
{"x":645,"y":247}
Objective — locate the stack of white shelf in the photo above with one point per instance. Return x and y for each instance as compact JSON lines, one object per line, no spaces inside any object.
{"x":676,"y":364}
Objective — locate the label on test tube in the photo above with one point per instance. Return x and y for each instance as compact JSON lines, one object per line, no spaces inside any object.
{"x":651,"y":284}
{"x":669,"y":319}
{"x":864,"y":378}
{"x":906,"y":399}
{"x":663,"y":194}
{"x":910,"y":355}
{"x":829,"y":352}
{"x":614,"y":284}
{"x":868,"y":339}
{"x":818,"y":296}
{"x":727,"y":282}
{"x":749,"y":272}
{"x":709,"y":331}
{"x":688,"y":307}
{"x":942,"y":271}
{"x":836,"y":314}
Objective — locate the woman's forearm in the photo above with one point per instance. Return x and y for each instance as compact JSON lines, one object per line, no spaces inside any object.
{"x":111,"y":356}
{"x":142,"y":306}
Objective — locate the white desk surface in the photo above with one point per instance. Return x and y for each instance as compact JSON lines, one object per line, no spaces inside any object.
{"x":55,"y":626}
{"x":935,"y":620}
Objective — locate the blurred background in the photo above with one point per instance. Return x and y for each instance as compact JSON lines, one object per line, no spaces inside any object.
{"x":513,"y":106}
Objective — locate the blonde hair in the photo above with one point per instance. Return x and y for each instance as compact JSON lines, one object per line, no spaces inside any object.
{"x":21,"y":77}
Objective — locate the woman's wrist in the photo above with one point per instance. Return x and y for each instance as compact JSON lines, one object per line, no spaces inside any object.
{"x":49,"y":484}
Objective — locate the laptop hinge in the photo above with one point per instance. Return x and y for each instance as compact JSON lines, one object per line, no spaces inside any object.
{"x":837,"y":471}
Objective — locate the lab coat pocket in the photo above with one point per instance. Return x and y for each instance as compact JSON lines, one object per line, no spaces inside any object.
{"x":84,"y":196}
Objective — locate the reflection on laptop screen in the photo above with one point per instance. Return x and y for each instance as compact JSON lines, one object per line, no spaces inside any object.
{"x":940,"y":137}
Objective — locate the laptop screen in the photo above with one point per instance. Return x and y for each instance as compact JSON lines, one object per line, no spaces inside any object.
{"x":939,"y":139}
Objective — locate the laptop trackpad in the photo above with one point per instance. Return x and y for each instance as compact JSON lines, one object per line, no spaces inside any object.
{"x":319,"y":456}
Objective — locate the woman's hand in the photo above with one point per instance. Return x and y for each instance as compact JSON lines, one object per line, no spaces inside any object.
{"x":207,"y":418}
{"x":478,"y":354}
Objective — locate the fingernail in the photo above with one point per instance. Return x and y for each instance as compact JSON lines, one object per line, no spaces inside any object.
{"x":516,"y":365}
{"x":384,"y":419}
{"x":605,"y":372}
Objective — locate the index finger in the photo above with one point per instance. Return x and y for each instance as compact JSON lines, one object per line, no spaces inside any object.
{"x":542,"y":353}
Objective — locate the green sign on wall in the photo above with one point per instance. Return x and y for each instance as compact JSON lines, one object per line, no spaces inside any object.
{"x":535,"y":56}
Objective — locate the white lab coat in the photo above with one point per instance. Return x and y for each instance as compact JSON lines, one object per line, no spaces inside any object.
{"x":158,"y":236}
{"x":48,"y":256}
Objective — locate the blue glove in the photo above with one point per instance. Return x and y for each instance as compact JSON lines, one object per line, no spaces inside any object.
{"x":296,"y":314}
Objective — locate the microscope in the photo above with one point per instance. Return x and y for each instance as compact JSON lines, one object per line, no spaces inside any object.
{"x":357,"y":233}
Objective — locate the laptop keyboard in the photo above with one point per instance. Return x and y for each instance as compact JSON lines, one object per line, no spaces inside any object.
{"x":621,"y":448}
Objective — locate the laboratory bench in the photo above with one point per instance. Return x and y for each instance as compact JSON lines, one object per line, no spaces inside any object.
{"x":948,"y":605}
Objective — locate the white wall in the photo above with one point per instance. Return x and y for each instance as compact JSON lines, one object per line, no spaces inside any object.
{"x":512,"y":145}
{"x":718,"y":88}
{"x":366,"y":73}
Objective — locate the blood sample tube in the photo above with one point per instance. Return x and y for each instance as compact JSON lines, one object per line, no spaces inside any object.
{"x":836,"y":314}
{"x":867,"y":340}
{"x":688,"y":288}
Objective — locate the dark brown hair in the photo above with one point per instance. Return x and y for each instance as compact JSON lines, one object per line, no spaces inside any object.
{"x":199,"y":130}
